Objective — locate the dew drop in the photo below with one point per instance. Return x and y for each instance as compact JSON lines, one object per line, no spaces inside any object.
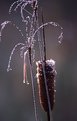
{"x":9,"y":69}
{"x":26,"y":81}
{"x":60,"y":38}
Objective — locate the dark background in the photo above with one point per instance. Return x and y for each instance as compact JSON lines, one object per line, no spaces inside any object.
{"x":16,"y":102}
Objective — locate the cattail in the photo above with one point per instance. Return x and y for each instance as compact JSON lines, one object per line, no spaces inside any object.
{"x":50,"y":79}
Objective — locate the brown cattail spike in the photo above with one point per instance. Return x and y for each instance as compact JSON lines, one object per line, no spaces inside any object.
{"x":50,"y":78}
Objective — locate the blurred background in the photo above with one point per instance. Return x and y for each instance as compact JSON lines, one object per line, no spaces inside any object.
{"x":16,"y":101}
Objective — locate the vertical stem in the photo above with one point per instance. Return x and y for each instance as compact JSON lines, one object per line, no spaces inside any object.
{"x":33,"y":88}
{"x":44,"y":43}
{"x":44,"y":71}
{"x":39,"y":38}
{"x":29,"y":49}
{"x":30,"y":60}
{"x":48,"y":116}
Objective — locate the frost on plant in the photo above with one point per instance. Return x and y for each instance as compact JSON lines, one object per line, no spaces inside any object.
{"x":30,"y":19}
{"x":32,"y":29}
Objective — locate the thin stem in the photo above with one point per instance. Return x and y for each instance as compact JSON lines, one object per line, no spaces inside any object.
{"x":43,"y":64}
{"x":44,"y":72}
{"x":48,"y":116}
{"x":33,"y":88}
{"x":38,"y":36}
{"x":44,"y":43}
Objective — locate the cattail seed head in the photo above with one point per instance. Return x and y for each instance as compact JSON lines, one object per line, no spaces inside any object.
{"x":50,"y":74}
